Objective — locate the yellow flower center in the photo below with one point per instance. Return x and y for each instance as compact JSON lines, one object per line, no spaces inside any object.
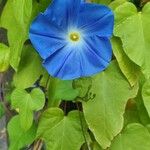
{"x":74,"y":36}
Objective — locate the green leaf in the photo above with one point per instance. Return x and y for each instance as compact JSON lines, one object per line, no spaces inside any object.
{"x":29,"y":71}
{"x":16,"y":18}
{"x":65,"y":91}
{"x":59,"y":131}
{"x":60,"y":90}
{"x":146,"y":95}
{"x":104,"y":114}
{"x":52,"y":101}
{"x":27,"y":103}
{"x":114,"y":4}
{"x":4,"y":57}
{"x":82,"y":85}
{"x":18,"y":138}
{"x":128,"y":68}
{"x":133,"y":137}
{"x":132,"y":26}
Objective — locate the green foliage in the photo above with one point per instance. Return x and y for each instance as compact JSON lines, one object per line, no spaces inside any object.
{"x":27,"y":103}
{"x":24,"y":77}
{"x":65,"y":91}
{"x":108,"y":108}
{"x":59,"y":131}
{"x":18,"y":137}
{"x":132,"y":26}
{"x":113,"y":106}
{"x":17,"y":24}
{"x":60,"y":90}
{"x":128,"y":68}
{"x":134,"y":136}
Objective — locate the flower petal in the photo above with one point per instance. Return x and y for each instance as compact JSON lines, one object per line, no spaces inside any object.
{"x":96,"y":56}
{"x":87,"y":59}
{"x":46,"y":37}
{"x":64,"y":64}
{"x":64,"y":12}
{"x":96,"y":20}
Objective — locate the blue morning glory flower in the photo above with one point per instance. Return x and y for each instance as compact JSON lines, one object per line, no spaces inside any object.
{"x":73,"y":38}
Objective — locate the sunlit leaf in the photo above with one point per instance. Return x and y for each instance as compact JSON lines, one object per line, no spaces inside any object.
{"x":132,"y":26}
{"x":104,"y":113}
{"x":133,"y":137}
{"x":59,"y":131}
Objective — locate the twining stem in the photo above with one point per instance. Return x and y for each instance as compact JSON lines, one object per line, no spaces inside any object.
{"x":39,"y":143}
{"x":82,"y":127}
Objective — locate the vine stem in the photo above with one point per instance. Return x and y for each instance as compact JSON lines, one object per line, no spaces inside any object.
{"x":39,"y":143}
{"x":82,"y":127}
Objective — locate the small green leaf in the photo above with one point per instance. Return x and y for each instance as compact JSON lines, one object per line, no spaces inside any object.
{"x":132,"y":26}
{"x":104,"y":114}
{"x":59,"y":131}
{"x":4,"y":57}
{"x":27,"y":103}
{"x":65,"y":91}
{"x":134,"y":137}
{"x":128,"y":68}
{"x":18,"y":138}
{"x":82,"y":85}
{"x":61,"y":90}
{"x":29,"y":71}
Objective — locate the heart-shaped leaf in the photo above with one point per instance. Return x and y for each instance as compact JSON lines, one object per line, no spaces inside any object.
{"x":59,"y":131}
{"x":27,"y":103}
